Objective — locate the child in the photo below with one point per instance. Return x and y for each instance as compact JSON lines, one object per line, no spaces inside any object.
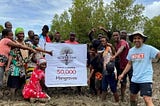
{"x":96,"y":67}
{"x":33,"y":89}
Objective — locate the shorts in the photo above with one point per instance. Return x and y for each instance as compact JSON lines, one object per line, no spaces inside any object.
{"x":144,"y":88}
{"x":109,"y":80}
{"x":97,"y":83}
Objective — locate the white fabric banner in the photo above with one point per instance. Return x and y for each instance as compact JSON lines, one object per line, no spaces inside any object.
{"x":67,"y":66}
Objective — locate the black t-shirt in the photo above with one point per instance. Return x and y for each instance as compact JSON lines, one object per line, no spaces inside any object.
{"x":97,"y":64}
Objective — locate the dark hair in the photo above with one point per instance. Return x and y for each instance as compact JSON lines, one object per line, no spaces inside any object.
{"x":5,"y":32}
{"x":107,"y":39}
{"x":94,"y":48}
{"x":5,"y":24}
{"x":96,"y":43}
{"x":45,"y":27}
{"x":30,"y":32}
{"x":117,"y":31}
{"x":35,"y":35}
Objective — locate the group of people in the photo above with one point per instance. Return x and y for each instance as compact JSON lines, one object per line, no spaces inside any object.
{"x":19,"y":59}
{"x":24,"y":62}
{"x":112,"y":63}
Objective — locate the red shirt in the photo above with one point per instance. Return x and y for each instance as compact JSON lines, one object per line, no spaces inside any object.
{"x":123,"y":55}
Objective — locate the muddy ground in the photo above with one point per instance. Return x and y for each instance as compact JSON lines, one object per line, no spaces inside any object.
{"x":68,"y":97}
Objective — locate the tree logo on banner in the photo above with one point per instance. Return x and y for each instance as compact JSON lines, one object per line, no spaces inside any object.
{"x":66,"y":55}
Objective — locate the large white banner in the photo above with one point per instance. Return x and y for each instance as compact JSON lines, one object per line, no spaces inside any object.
{"x":67,"y":66}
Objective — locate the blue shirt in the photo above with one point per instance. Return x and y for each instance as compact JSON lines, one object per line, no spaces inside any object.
{"x":141,"y":59}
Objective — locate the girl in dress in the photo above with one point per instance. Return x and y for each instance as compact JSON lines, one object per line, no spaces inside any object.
{"x":33,"y":89}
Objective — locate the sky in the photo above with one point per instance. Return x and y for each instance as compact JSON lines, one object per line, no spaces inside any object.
{"x":33,"y":14}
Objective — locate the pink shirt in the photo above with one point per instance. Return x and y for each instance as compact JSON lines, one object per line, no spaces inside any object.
{"x":69,"y":42}
{"x":4,"y":48}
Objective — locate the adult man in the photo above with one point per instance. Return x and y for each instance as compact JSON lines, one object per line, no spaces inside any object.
{"x":57,"y":37}
{"x":140,"y":57}
{"x":122,"y":49}
{"x":8,"y":25}
{"x":72,"y":39}
{"x":30,"y":36}
{"x":124,"y":36}
{"x":43,"y":37}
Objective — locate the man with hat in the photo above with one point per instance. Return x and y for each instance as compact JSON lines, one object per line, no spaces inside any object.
{"x":140,"y":58}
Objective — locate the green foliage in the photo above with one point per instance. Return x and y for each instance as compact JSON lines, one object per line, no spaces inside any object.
{"x":152,"y":30}
{"x":1,"y":28}
{"x":87,"y":14}
{"x":61,"y":24}
{"x":122,"y":14}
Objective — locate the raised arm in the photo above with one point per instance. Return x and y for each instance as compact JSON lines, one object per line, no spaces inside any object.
{"x":109,"y":35}
{"x":91,"y":34}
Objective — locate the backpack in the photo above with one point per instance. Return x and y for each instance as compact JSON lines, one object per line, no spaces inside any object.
{"x":110,"y":67}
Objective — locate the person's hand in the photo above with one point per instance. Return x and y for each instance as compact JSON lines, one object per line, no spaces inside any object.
{"x":50,"y":53}
{"x":88,"y":81}
{"x":116,"y":76}
{"x":100,"y":27}
{"x":113,"y":58}
{"x":6,"y":73}
{"x":93,"y":29}
{"x":33,"y":50}
{"x":120,"y":77}
{"x":6,"y":69}
{"x":109,"y":44}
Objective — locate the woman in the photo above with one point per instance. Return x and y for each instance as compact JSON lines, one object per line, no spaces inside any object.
{"x":33,"y":89}
{"x":5,"y":46}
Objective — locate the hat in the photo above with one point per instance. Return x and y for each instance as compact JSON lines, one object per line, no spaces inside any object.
{"x":18,"y":30}
{"x":72,"y":34}
{"x":123,"y":31}
{"x":41,"y":60}
{"x":137,"y":33}
{"x":45,"y":27}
